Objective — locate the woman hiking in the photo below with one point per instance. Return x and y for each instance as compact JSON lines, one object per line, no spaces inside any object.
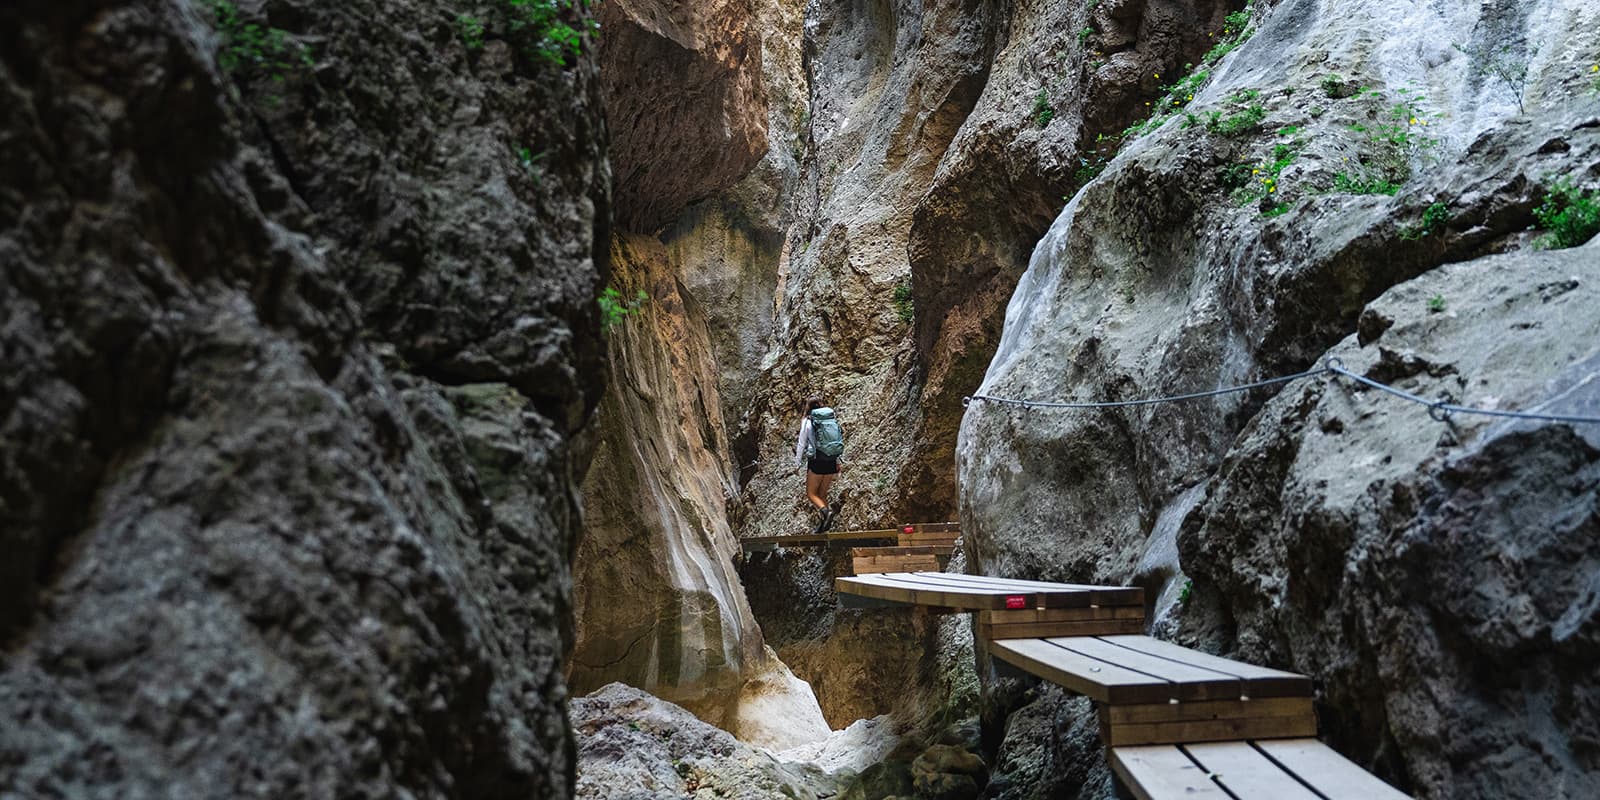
{"x":820,"y":447}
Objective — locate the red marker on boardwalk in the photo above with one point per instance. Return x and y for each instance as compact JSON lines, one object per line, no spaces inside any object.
{"x":1016,"y":601}
{"x":909,"y":529}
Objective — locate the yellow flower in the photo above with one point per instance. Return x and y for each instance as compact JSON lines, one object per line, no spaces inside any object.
{"x":1595,"y":68}
{"x":1190,"y":97}
{"x":1255,"y":172}
{"x":1413,"y":120}
{"x":1272,"y":188}
{"x":1157,"y":74}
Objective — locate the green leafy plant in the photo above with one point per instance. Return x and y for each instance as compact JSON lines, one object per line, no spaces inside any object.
{"x":1570,"y":215}
{"x":902,"y":302}
{"x":471,"y":31}
{"x":1259,"y":183}
{"x":614,"y":309}
{"x":1436,"y":304}
{"x":1345,"y":183}
{"x":1089,"y":168}
{"x":1433,"y":220}
{"x":249,"y":50}
{"x":1042,"y":111}
{"x":1335,"y":87}
{"x":1186,"y":592}
{"x":1243,"y":121}
{"x":1502,"y":63}
{"x":1236,"y":30}
{"x":1083,"y":35}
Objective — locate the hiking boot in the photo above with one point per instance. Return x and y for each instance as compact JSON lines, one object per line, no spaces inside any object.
{"x":838,"y":504}
{"x":824,"y":516}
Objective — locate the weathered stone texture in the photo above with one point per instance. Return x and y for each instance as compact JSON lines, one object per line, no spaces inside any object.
{"x":1156,"y":280}
{"x":1439,"y":581}
{"x":686,"y":100}
{"x":290,"y":378}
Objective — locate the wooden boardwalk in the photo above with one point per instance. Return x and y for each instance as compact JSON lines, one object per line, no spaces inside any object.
{"x":919,"y":547}
{"x":1178,"y":723}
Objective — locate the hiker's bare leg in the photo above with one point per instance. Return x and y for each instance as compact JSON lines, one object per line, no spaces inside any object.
{"x":816,"y":490}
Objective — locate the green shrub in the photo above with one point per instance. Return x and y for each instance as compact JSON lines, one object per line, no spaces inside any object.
{"x":1246,"y":120}
{"x":1042,"y":112}
{"x":1357,"y":184}
{"x":1235,"y":31}
{"x":1502,"y":63}
{"x":1089,"y":168}
{"x":471,"y":30}
{"x":1256,"y":183}
{"x":1571,"y":215}
{"x":255,"y":51}
{"x":902,"y":302}
{"x":613,"y":309}
{"x":1433,"y":220}
{"x":1436,"y":304}
{"x":1336,"y":88}
{"x":542,"y":29}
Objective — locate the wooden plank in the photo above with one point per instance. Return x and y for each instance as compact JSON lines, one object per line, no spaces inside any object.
{"x":890,"y":587}
{"x":1188,"y":682}
{"x":940,"y":539}
{"x":1105,"y":682}
{"x":1163,"y":773}
{"x":814,"y":539}
{"x":1207,"y":710}
{"x":895,"y":564}
{"x":869,"y":552}
{"x":1213,"y":730}
{"x":1098,"y":595}
{"x":1331,"y":774}
{"x":1046,"y":596}
{"x":1244,"y":771}
{"x":1259,"y":681}
{"x":934,"y":527}
{"x":1016,"y":616}
{"x":1044,"y":630}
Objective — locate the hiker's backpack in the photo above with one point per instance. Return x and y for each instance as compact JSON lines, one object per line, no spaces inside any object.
{"x":826,"y":438}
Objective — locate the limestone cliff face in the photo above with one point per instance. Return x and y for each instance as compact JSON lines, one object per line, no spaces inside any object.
{"x":929,"y":174}
{"x":1330,"y":531}
{"x":295,"y":358}
{"x":659,"y":604}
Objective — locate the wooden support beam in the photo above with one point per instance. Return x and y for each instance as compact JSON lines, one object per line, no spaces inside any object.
{"x":1206,"y":721}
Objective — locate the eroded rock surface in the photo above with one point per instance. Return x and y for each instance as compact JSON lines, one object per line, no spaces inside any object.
{"x":1222,"y":250}
{"x":291,"y":375}
{"x":1438,"y":580}
{"x":633,"y":746}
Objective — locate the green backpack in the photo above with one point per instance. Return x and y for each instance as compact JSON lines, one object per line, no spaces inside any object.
{"x":826,"y":438}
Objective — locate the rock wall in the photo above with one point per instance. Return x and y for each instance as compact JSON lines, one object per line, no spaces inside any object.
{"x":928,"y":176}
{"x":1439,"y":581}
{"x":297,"y":354}
{"x":1236,"y":242}
{"x":659,"y":605}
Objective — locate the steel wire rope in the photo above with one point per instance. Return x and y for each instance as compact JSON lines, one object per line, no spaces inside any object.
{"x":1439,"y":410}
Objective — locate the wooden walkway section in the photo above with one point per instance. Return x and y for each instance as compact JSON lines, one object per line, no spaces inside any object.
{"x":915,"y":534}
{"x":1178,"y":723}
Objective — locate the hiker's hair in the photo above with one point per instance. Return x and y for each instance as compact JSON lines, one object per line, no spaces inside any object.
{"x":813,"y":404}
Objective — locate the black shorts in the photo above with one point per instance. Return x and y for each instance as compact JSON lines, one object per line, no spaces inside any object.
{"x":822,"y":465}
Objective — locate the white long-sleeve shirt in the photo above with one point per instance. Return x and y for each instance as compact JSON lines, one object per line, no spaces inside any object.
{"x":803,"y":441}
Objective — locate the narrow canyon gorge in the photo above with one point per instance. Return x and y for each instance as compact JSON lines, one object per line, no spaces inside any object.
{"x":392,"y":392}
